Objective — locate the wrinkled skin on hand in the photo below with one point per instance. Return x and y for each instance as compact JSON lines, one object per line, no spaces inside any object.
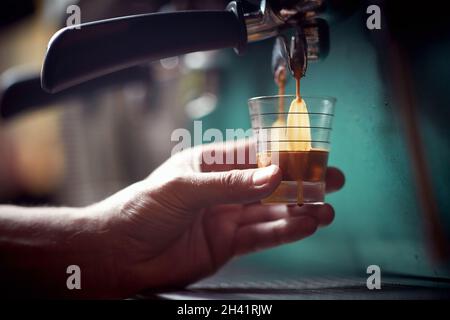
{"x":188,"y":218}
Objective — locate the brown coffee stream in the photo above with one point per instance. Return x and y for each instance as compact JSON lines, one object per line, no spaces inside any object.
{"x":281,"y":83}
{"x":297,"y":89}
{"x":291,"y":142}
{"x":298,"y":131}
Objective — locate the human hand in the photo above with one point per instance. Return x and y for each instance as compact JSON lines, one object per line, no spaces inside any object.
{"x":187,"y":219}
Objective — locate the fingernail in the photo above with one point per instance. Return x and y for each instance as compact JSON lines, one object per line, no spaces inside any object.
{"x":263,"y":175}
{"x":326,"y":214}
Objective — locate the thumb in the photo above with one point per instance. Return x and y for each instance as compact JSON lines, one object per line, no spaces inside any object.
{"x":235,"y":186}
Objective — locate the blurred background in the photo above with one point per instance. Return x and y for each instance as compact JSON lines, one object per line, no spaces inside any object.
{"x":390,"y":134}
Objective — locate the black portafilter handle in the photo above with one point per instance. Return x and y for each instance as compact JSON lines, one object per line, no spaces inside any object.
{"x":21,"y":92}
{"x":99,"y":48}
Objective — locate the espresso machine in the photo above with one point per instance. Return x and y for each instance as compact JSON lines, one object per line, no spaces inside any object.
{"x":100,"y":54}
{"x":80,"y":53}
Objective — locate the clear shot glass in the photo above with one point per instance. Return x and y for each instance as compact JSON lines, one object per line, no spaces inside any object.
{"x":302,"y":155}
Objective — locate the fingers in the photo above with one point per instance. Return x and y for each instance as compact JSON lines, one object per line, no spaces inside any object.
{"x":323,"y":213}
{"x":241,"y":154}
{"x":229,"y":155}
{"x":264,"y":235}
{"x":236,"y":186}
{"x":335,"y":179}
{"x":256,"y":213}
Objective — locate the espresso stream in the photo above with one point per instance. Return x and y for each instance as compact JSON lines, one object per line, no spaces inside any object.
{"x":294,"y":154}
